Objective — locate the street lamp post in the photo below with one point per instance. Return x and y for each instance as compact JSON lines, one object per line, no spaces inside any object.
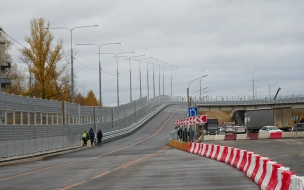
{"x":253,"y":84}
{"x":116,"y":55}
{"x":139,"y":70}
{"x":164,"y":77}
{"x":199,"y":90}
{"x":189,"y":86}
{"x":129,"y":58}
{"x":201,"y":84}
{"x":153,"y":76}
{"x":100,"y":94}
{"x":72,"y":74}
{"x":199,"y":94}
{"x":148,"y":92}
{"x":171,"y":79}
{"x":159,"y":77}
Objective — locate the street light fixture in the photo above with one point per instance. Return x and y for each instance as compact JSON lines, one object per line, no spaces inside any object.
{"x":148,"y":86}
{"x":71,"y":30}
{"x":159,"y":76}
{"x":100,"y":94}
{"x":253,"y":85}
{"x":129,"y":58}
{"x":198,"y":90}
{"x":199,"y":94}
{"x":153,"y":75}
{"x":164,"y":76}
{"x":116,"y":55}
{"x":201,"y":83}
{"x":139,"y":70}
{"x":188,"y":88}
{"x":171,"y":79}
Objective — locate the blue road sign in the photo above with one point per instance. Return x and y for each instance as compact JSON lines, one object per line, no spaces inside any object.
{"x":192,"y":111}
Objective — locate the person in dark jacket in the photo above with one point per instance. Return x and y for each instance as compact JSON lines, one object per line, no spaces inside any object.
{"x":99,"y":137}
{"x":180,"y":133}
{"x":191,"y":135}
{"x":92,"y":136}
{"x":185,"y":135}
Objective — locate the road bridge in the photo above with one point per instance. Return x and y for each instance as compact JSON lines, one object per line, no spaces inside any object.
{"x":142,"y":160}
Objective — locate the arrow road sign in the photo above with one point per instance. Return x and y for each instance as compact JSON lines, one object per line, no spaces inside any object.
{"x":192,"y":111}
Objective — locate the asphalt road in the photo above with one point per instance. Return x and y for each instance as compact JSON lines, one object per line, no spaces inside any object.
{"x":289,"y":152}
{"x":142,"y":160}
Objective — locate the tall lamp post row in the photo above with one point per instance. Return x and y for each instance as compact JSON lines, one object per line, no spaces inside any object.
{"x":189,"y":86}
{"x":116,"y":56}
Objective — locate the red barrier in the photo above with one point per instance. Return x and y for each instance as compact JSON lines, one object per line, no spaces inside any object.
{"x":264,"y":172}
{"x":253,"y":136}
{"x":243,"y":161}
{"x":206,"y":150}
{"x":211,"y":151}
{"x":274,"y":176}
{"x":286,"y":179}
{"x":256,"y":168}
{"x":237,"y":158}
{"x":217,"y":151}
{"x":231,"y":155}
{"x":224,"y":155}
{"x":249,"y":154}
{"x":230,"y":137}
{"x":276,"y":135}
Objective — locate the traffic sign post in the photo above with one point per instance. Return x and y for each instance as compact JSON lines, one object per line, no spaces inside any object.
{"x":192,"y":111}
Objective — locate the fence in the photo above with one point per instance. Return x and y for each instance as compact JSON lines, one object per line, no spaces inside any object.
{"x":32,"y":125}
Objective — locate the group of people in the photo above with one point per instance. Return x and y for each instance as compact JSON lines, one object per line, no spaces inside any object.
{"x":91,"y":136}
{"x":185,"y":135}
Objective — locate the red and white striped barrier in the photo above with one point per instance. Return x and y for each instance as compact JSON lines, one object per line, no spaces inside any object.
{"x":267,"y":174}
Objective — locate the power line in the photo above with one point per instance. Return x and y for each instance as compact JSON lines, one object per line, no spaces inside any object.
{"x":13,"y":39}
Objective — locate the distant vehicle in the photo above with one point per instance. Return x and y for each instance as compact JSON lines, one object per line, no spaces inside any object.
{"x":229,"y":129}
{"x":266,"y":117}
{"x":270,"y":129}
{"x":298,"y":127}
{"x":212,"y":127}
{"x":238,"y":129}
{"x":221,"y":129}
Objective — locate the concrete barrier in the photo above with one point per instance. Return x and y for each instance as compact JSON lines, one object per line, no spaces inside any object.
{"x":288,"y":135}
{"x":264,"y":135}
{"x":241,"y":136}
{"x":209,"y":137}
{"x":300,"y":134}
{"x":219,"y":137}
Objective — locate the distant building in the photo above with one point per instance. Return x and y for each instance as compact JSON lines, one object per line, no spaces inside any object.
{"x":4,"y":64}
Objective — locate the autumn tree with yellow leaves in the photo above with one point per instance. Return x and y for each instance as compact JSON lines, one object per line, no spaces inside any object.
{"x":89,"y":100}
{"x":48,"y":79}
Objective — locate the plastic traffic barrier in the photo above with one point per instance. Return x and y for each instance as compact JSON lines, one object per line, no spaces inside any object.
{"x":286,"y":179}
{"x":230,"y":137}
{"x":256,"y":167}
{"x":220,"y":154}
{"x":225,"y":153}
{"x":273,"y":181}
{"x":276,"y":135}
{"x":253,"y":136}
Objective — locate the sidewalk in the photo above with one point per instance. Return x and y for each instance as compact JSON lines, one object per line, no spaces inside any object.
{"x":38,"y":155}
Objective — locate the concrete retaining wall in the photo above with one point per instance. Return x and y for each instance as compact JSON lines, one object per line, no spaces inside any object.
{"x":264,"y":135}
{"x":241,"y":136}
{"x":209,"y":137}
{"x":219,"y":137}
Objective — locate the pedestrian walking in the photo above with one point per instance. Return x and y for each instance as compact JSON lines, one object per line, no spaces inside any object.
{"x":180,"y":133}
{"x":92,"y":136}
{"x":191,"y":135}
{"x":185,"y":135}
{"x":85,"y":138}
{"x":99,"y":137}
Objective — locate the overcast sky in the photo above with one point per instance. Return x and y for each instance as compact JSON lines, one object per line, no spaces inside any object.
{"x":230,"y":39}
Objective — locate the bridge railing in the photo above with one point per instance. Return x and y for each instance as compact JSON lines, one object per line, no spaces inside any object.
{"x":220,"y":100}
{"x":32,"y":125}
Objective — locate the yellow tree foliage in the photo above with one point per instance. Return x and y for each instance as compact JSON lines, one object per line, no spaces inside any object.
{"x":48,"y":80}
{"x":91,"y":100}
{"x":79,"y":99}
